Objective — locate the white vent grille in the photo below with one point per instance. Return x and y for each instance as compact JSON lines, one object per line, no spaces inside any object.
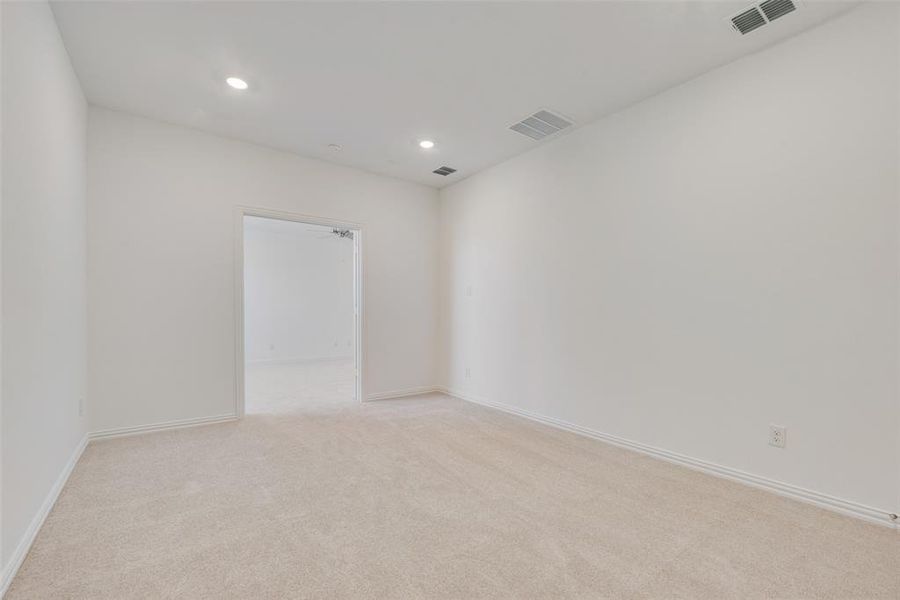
{"x":541,"y":124}
{"x":761,"y":14}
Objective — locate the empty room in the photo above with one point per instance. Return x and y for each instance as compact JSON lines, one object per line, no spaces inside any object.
{"x":450,"y":300}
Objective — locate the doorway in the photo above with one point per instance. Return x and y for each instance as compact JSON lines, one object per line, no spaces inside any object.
{"x":299,"y":307}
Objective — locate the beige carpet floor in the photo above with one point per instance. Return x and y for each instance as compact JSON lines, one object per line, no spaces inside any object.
{"x":283,"y":388}
{"x":429,"y":497}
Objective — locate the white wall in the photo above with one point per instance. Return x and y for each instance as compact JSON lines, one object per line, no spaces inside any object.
{"x":161,"y":265}
{"x":298,"y":292}
{"x":717,"y":258}
{"x":43,"y":271}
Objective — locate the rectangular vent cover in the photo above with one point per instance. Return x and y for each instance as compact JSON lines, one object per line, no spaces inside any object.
{"x":444,"y":171}
{"x":761,"y":14}
{"x":777,"y":8}
{"x":748,"y":20}
{"x":541,"y":124}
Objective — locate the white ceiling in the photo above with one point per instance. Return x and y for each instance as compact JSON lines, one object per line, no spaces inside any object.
{"x":377,"y":77}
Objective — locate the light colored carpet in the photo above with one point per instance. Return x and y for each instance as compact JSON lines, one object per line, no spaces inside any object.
{"x":429,"y":497}
{"x":280,"y":388}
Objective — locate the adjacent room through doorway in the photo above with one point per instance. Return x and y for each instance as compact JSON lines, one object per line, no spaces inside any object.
{"x":300,"y":326}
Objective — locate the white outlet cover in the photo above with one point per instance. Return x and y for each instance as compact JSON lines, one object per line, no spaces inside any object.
{"x":777,"y":436}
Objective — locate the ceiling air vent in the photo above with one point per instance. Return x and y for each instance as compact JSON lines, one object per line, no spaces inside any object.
{"x":541,"y":124}
{"x":777,"y":8}
{"x":761,"y":14}
{"x":444,"y":171}
{"x":748,"y":20}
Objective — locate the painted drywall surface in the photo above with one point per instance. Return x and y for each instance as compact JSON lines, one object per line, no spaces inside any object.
{"x":161,"y":264}
{"x":43,"y":249}
{"x":719,"y":258}
{"x":298,"y":292}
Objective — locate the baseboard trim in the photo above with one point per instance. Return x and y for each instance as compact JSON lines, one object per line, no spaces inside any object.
{"x":141,"y":429}
{"x":426,"y":389}
{"x":839,"y":505}
{"x":21,"y":551}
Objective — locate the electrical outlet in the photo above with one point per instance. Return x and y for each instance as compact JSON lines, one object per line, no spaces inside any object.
{"x":469,"y":291}
{"x":777,"y":436}
{"x":468,"y":373}
{"x":81,"y":407}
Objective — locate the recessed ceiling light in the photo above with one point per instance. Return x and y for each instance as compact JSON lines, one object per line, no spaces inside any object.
{"x":335,"y":147}
{"x":237,"y":83}
{"x":426,"y":144}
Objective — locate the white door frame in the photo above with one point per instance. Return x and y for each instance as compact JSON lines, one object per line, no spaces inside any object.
{"x":358,"y":286}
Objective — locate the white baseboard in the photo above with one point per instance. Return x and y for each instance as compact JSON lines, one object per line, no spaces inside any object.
{"x":297,"y":360}
{"x":845,"y":507}
{"x":21,"y":551}
{"x":139,"y":429}
{"x":426,"y":389}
